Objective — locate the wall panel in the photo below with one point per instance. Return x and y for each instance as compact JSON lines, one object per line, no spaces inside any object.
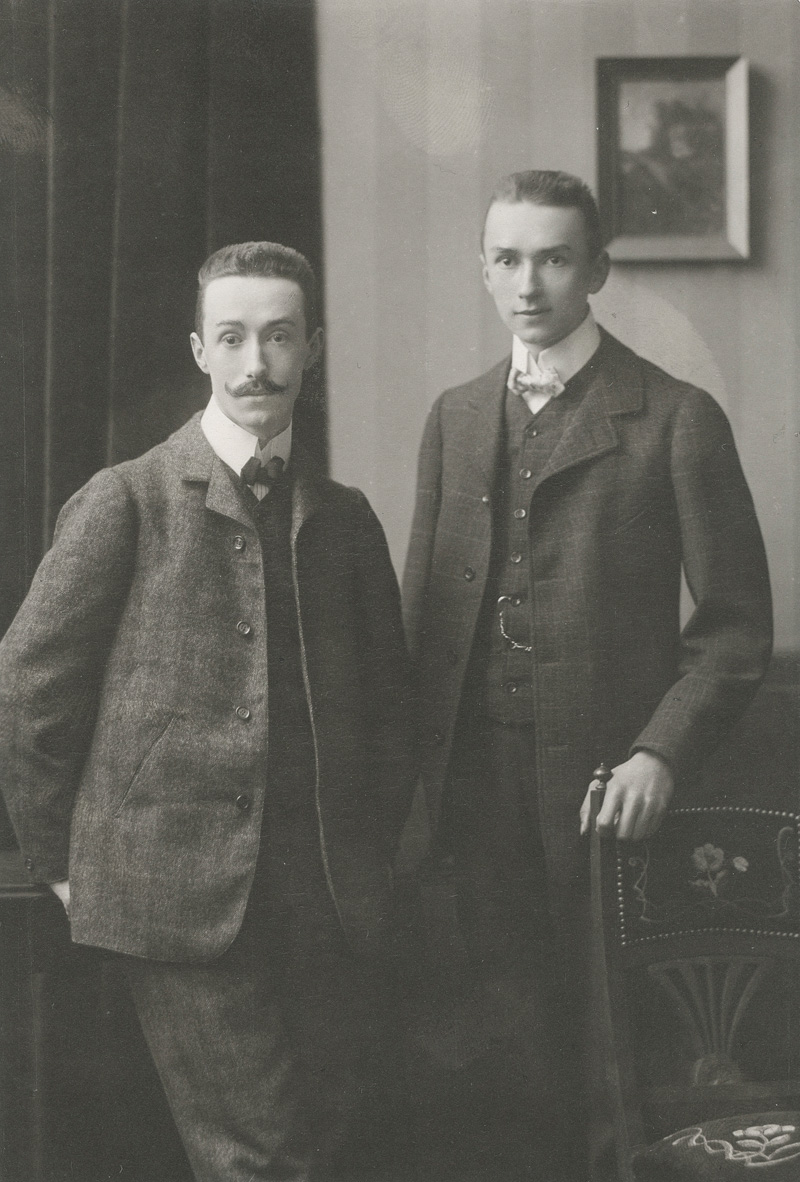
{"x":528,"y":70}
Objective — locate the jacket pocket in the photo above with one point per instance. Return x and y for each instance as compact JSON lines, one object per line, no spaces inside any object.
{"x":161,"y":726}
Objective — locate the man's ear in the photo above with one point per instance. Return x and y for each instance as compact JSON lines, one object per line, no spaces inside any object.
{"x":199,"y":352}
{"x":600,"y":270}
{"x":314,"y":349}
{"x":485,"y":274}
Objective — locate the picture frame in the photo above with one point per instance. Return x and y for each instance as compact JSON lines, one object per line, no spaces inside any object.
{"x":673,"y":158}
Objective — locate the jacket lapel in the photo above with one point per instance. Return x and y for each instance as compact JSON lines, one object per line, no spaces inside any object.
{"x":615,"y":388}
{"x":307,"y":492}
{"x":479,"y":430}
{"x":224,"y":496}
{"x":197,"y":462}
{"x":202,"y":463}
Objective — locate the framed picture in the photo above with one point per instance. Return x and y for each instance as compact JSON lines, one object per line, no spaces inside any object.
{"x":673,"y":157}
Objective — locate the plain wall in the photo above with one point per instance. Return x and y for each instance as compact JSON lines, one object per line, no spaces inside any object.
{"x":424,"y":104}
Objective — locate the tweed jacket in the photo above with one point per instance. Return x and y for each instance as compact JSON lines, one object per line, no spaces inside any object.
{"x":134,"y":713}
{"x":645,"y":479}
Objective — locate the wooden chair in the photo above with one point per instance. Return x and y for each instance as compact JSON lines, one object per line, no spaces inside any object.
{"x":696,"y":939}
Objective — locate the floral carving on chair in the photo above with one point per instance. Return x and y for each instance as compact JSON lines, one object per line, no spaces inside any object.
{"x":707,"y":880}
{"x":714,"y":868}
{"x":757,"y":1145}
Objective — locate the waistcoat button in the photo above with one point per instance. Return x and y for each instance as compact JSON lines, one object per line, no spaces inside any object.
{"x":525,"y":473}
{"x":520,"y":513}
{"x":469,"y":573}
{"x":243,"y":803}
{"x":516,"y":556}
{"x":244,"y":628}
{"x":239,"y":543}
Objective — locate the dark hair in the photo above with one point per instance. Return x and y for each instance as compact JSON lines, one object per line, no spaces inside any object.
{"x":259,"y":259}
{"x":544,"y":187}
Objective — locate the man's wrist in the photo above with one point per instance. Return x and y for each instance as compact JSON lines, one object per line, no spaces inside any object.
{"x":655,"y":756}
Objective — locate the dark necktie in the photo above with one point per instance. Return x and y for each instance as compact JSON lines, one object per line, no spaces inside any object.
{"x":255,"y":473}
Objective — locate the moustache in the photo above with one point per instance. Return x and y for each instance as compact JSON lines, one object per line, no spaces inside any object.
{"x":254,"y":388}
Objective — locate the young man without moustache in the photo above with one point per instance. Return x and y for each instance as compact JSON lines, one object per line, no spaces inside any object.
{"x":205,"y":747}
{"x":558,"y":497}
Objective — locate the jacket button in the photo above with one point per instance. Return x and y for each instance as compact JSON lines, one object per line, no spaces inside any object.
{"x":511,"y":687}
{"x":438,"y":738}
{"x":525,"y":473}
{"x":244,"y":628}
{"x":520,"y":513}
{"x":243,"y":713}
{"x":29,"y":863}
{"x":243,"y":803}
{"x":485,"y":498}
{"x":239,"y":543}
{"x":517,"y":600}
{"x":469,"y":573}
{"x":452,"y":656}
{"x":532,"y":431}
{"x":516,"y":557}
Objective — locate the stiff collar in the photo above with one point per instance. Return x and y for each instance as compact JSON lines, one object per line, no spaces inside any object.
{"x":234,"y":445}
{"x":566,"y":357}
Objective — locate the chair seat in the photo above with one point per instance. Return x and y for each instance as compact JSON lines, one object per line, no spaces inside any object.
{"x":763,"y":1145}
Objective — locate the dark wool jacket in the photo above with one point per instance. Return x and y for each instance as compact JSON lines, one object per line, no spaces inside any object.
{"x":645,"y":479}
{"x":134,"y":714}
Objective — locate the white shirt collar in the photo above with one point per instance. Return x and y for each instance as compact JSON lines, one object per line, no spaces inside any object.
{"x":234,"y":445}
{"x":566,"y":356}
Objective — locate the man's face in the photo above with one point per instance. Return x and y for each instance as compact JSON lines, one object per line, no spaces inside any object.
{"x":255,"y":350}
{"x":538,"y":269}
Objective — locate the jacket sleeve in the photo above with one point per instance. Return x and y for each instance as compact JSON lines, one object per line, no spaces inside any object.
{"x":387,"y":675}
{"x":419,"y":559}
{"x":726,"y":645}
{"x":51,"y":667}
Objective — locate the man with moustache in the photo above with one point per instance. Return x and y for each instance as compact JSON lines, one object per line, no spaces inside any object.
{"x":559,"y":495}
{"x":205,"y":747}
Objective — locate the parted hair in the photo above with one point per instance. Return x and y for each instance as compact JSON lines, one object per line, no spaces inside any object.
{"x":548,"y":187}
{"x":263,"y":260}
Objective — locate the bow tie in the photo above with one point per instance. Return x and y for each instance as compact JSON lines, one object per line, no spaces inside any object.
{"x":549,"y":383}
{"x":255,"y":473}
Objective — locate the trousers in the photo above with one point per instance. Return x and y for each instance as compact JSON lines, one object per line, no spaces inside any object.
{"x":523,"y":1112}
{"x":271,"y":1055}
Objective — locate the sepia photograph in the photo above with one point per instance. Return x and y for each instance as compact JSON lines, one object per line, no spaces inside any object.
{"x":399,"y":632}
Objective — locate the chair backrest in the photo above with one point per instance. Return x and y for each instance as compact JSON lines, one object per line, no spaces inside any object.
{"x":703,"y":912}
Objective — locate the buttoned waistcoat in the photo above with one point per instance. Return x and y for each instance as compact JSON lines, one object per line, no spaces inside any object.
{"x":134,"y":704}
{"x":645,"y":480}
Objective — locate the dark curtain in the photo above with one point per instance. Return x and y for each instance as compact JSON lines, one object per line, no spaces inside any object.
{"x":136,"y":136}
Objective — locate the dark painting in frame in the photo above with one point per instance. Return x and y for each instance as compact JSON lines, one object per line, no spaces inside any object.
{"x":673,"y":179}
